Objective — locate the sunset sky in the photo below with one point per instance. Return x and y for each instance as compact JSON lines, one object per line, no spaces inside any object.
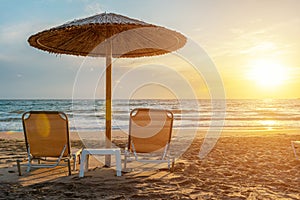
{"x":254,"y":45}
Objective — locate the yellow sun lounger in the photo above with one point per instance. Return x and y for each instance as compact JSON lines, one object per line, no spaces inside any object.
{"x":150,"y":132}
{"x":47,"y":139}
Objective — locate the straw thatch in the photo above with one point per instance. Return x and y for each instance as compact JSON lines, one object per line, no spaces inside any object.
{"x":129,"y":37}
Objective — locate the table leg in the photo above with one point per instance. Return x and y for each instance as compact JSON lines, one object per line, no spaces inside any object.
{"x":82,"y":164}
{"x":118,"y":163}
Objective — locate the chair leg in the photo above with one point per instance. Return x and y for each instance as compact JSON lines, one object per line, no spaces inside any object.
{"x":125,"y":162}
{"x":19,"y":167}
{"x":29,"y":164}
{"x":294,"y":149}
{"x":87,"y":162}
{"x":173,"y":164}
{"x":74,"y":162}
{"x":76,"y":158}
{"x":69,"y":167}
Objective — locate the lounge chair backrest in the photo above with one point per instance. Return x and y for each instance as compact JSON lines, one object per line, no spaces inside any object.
{"x":46,"y":133}
{"x":150,"y":130}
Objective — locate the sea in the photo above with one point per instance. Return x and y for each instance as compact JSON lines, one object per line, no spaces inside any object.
{"x":232,"y":114}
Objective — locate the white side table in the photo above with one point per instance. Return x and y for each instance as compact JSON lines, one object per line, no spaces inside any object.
{"x":84,"y":160}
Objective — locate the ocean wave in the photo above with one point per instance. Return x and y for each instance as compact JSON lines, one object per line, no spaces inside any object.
{"x":90,"y":114}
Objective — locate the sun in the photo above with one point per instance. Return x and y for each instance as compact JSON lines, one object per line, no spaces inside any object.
{"x":268,"y":73}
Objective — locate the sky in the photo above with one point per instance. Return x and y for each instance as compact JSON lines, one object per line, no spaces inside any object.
{"x":251,"y":51}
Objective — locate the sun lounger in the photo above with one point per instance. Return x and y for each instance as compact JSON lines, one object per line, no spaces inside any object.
{"x":47,"y":140}
{"x":150,"y":132}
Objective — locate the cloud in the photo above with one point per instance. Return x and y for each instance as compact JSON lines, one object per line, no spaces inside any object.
{"x":93,"y":8}
{"x":11,"y":34}
{"x":13,"y":37}
{"x":253,"y":38}
{"x":260,"y":47}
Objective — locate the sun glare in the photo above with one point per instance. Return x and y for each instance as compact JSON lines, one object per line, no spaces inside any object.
{"x":268,"y":124}
{"x":268,"y":73}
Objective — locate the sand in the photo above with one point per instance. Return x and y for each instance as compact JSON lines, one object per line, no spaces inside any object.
{"x":260,"y":165}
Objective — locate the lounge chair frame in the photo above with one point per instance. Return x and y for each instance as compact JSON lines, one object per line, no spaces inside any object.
{"x":293,"y":143}
{"x":52,"y":160}
{"x":131,"y":154}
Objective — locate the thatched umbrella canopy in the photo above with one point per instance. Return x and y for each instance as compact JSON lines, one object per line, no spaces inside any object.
{"x":122,"y":37}
{"x":81,"y":37}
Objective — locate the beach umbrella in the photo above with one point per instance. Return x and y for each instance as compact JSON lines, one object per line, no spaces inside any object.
{"x":108,"y":35}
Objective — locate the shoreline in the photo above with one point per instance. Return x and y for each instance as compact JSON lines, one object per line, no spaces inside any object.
{"x":93,"y":135}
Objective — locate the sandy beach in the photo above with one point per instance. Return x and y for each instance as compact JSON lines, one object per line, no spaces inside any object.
{"x":260,"y":165}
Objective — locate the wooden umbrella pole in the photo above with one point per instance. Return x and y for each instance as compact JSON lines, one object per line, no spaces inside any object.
{"x":108,"y":101}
